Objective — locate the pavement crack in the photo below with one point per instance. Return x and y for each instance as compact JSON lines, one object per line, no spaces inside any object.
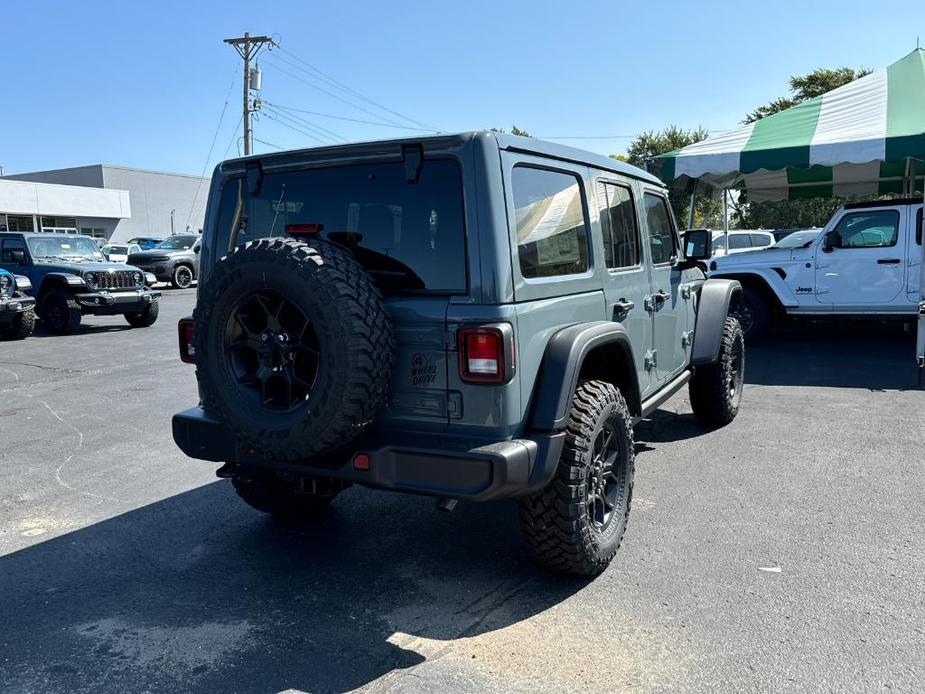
{"x":55,"y":369}
{"x":80,"y":442}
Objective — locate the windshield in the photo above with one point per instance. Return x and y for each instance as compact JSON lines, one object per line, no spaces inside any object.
{"x":178,"y":242}
{"x":408,"y":236}
{"x":64,"y":248}
{"x":798,"y":239}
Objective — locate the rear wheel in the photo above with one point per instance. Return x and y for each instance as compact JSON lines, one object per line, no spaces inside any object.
{"x":21,"y":326}
{"x":61,"y":312}
{"x":144,"y":318}
{"x":182,"y":277}
{"x":577,"y":522}
{"x":301,"y":500}
{"x":716,"y":389}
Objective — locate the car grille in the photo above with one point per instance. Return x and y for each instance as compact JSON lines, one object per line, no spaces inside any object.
{"x":146,"y":259}
{"x":120,"y":279}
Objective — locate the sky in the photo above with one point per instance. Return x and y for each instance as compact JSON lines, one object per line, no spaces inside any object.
{"x":152,"y":85}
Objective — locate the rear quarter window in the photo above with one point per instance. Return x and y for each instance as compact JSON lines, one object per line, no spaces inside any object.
{"x":552,"y":233}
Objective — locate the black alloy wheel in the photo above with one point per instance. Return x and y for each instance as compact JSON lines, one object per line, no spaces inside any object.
{"x":272,"y":351}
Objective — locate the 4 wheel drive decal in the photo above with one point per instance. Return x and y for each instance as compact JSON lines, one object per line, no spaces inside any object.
{"x":423,"y":371}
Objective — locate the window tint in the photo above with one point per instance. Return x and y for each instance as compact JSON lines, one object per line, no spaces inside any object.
{"x":761,"y":240}
{"x":661,"y":232}
{"x":739,"y":241}
{"x":868,"y":229}
{"x":408,"y":236}
{"x":10,"y":245}
{"x":618,"y":225}
{"x":552,"y":237}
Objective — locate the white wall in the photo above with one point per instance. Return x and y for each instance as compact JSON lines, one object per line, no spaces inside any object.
{"x":21,"y":197}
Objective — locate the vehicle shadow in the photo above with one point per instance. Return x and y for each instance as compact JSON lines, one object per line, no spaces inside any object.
{"x":198,"y":593}
{"x":42,"y":330}
{"x":851,"y":354}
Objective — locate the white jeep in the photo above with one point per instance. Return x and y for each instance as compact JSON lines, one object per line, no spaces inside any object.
{"x":867,"y":261}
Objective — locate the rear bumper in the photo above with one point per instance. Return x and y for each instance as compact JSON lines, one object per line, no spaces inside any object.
{"x":12,"y":307}
{"x":111,"y":303}
{"x":488,"y":471}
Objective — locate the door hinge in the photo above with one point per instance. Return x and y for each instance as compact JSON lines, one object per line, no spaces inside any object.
{"x":687,"y":338}
{"x":649,"y":303}
{"x":650,"y":360}
{"x":686,"y":291}
{"x":922,"y":309}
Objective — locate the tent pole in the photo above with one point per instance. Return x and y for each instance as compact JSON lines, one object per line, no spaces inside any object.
{"x":690,"y":211}
{"x":726,"y":218}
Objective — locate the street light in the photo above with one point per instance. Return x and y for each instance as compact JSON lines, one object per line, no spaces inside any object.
{"x":171,"y":221}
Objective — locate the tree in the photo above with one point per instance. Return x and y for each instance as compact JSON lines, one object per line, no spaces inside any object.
{"x":514,"y":131}
{"x":649,"y":145}
{"x":808,"y":86}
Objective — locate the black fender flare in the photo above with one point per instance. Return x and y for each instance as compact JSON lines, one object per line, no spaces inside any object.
{"x":54,"y":280}
{"x":565,"y":354}
{"x":713,"y":302}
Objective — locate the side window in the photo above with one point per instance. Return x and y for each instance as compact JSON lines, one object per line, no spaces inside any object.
{"x":918,"y":227}
{"x":761,"y":240}
{"x":618,"y":225}
{"x":552,"y":236}
{"x":661,"y":229}
{"x":10,"y":245}
{"x":739,"y":241}
{"x":873,"y":229}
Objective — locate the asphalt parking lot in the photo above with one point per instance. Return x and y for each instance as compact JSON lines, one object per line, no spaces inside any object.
{"x":782,"y":553}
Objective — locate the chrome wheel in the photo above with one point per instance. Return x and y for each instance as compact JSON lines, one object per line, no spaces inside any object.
{"x":183,"y":277}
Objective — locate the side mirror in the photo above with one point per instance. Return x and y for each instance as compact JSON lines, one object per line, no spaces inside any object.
{"x":698,"y":244}
{"x":832,"y":241}
{"x":18,"y":257}
{"x":196,"y":249}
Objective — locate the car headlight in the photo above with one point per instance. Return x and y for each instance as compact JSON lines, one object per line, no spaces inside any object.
{"x":6,"y":285}
{"x":140,"y":279}
{"x":90,"y":279}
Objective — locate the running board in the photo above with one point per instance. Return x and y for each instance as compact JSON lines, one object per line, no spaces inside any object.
{"x":653,"y":403}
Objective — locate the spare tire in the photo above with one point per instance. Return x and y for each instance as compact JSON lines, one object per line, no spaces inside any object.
{"x":294,"y":349}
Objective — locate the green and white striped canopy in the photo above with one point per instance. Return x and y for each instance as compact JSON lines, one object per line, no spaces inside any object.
{"x":858,"y":139}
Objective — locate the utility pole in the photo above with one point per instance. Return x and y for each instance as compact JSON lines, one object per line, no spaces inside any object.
{"x":247,"y":47}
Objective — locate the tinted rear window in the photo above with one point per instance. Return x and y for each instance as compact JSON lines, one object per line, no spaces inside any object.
{"x":409,"y":236}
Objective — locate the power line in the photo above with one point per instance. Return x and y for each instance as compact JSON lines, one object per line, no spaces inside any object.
{"x":205,"y":166}
{"x":285,"y":110}
{"x":331,"y":94}
{"x":298,"y":130}
{"x":248,"y":47}
{"x":257,"y":139}
{"x":234,"y":137}
{"x":350,"y":90}
{"x":303,"y":126}
{"x":353,"y":120}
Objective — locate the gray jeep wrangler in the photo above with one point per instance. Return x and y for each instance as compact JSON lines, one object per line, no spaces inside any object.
{"x":469,"y":316}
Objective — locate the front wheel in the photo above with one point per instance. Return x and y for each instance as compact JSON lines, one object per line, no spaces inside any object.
{"x":182,"y":277}
{"x":753,"y":314}
{"x":20,"y":327}
{"x":576,"y":523}
{"x":144,"y":318}
{"x":303,"y":500}
{"x":61,"y":312}
{"x":716,"y":389}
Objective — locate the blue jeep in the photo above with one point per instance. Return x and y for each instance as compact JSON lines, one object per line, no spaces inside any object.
{"x":70,"y":277}
{"x":17,"y":318}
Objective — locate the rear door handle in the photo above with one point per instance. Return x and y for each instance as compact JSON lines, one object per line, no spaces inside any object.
{"x":662,"y":296}
{"x":888,"y":261}
{"x":623,"y":306}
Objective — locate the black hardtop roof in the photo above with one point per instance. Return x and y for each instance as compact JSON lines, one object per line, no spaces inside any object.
{"x":882,"y":203}
{"x":528,"y":145}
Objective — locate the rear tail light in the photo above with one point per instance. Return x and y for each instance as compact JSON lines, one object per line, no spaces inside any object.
{"x":185,"y":334}
{"x":303,"y":229}
{"x":481,"y":355}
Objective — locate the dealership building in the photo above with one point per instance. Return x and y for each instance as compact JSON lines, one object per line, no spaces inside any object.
{"x":108,"y":202}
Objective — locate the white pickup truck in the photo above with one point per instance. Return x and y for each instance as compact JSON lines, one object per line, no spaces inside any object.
{"x":867,"y":261}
